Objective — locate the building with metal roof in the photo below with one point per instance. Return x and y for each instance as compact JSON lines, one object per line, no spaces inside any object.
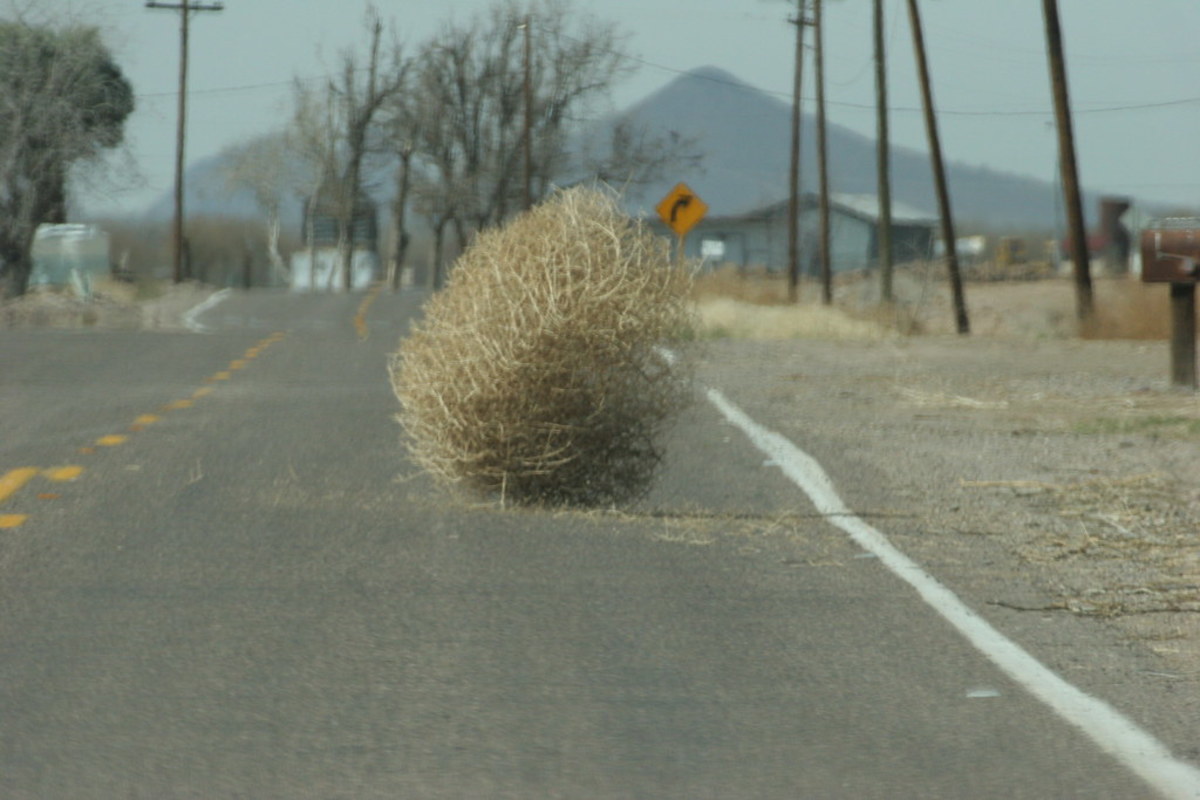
{"x":759,"y":238}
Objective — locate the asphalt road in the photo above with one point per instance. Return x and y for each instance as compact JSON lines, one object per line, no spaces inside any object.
{"x":220,"y":578}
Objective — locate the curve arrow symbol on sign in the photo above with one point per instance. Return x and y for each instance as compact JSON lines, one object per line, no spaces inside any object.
{"x":679,"y":205}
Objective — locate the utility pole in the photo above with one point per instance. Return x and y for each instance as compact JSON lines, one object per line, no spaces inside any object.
{"x":528,"y":138}
{"x":1066,"y":153}
{"x":822,"y":156}
{"x":794,"y":171}
{"x":185,"y":9}
{"x":962,"y":323}
{"x":883,"y":162}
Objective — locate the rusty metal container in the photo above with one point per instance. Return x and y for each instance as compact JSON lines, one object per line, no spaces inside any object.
{"x":1171,"y":250}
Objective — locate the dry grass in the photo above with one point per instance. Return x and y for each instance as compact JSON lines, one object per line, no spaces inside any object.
{"x":727,"y":318}
{"x":753,"y":286}
{"x":1136,"y":534}
{"x":535,"y":374}
{"x":1126,"y":308}
{"x":111,"y":302}
{"x":754,"y":305}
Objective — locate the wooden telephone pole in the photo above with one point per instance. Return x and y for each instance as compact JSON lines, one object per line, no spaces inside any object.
{"x":822,"y":157}
{"x":883,"y":165}
{"x":939,"y":173}
{"x":1066,"y":154}
{"x":185,"y":9}
{"x":794,"y":171}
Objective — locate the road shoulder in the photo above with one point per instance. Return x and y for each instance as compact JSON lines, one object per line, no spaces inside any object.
{"x":1044,"y":482}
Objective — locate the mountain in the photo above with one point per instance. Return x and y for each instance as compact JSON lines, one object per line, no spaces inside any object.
{"x":744,"y":135}
{"x":205,"y":194}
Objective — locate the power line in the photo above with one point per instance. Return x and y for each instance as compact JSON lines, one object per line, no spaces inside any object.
{"x":914,"y":110}
{"x":1032,"y":112}
{"x":1149,"y":106}
{"x":232,"y":89}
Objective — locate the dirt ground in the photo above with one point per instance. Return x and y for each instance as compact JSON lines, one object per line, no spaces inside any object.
{"x":1036,"y":473}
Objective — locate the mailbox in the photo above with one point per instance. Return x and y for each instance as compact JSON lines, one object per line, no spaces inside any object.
{"x":1171,"y":251}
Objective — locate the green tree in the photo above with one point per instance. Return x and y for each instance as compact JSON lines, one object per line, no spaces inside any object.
{"x":63,"y":101}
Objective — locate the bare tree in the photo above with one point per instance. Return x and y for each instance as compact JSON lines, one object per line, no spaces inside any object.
{"x":266,"y":168}
{"x":63,"y":101}
{"x":438,"y":189}
{"x":334,"y":130}
{"x":473,"y":76}
{"x":313,"y":139}
{"x":359,"y":100}
{"x":456,"y":120}
{"x":403,"y":118}
{"x":404,"y":153}
{"x":635,"y":156}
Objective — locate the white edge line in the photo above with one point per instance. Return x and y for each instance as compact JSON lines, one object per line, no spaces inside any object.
{"x":1115,"y":733}
{"x":189,"y":317}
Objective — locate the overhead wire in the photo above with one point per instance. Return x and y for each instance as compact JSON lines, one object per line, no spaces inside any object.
{"x":1107,"y":109}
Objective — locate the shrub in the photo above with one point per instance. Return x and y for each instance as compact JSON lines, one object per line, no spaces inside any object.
{"x":536,"y":372}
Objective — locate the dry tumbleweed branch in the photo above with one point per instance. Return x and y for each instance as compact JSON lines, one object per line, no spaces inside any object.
{"x":534,"y":373}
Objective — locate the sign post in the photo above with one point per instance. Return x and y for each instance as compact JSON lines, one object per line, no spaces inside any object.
{"x":1171,"y":254}
{"x":681,"y":209}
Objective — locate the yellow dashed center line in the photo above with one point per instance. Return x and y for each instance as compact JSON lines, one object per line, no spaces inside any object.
{"x":67,"y":473}
{"x":14,"y":479}
{"x":10,"y":483}
{"x":360,"y":319}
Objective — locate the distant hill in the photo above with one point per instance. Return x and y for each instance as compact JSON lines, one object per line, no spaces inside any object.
{"x":744,"y":135}
{"x":205,"y":194}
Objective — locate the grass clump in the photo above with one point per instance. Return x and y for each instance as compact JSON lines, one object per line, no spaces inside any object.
{"x":536,"y":374}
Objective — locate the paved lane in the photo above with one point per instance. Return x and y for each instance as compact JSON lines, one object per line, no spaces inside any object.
{"x":256,"y":596}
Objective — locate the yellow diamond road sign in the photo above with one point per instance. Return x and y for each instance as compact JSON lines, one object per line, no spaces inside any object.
{"x":681,"y":209}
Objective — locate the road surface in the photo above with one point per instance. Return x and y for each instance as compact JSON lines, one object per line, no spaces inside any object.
{"x":220,"y":578}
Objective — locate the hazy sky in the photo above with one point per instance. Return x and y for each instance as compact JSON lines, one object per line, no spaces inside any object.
{"x":1133,"y":70}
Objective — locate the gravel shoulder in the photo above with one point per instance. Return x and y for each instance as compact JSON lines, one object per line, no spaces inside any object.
{"x":1051,"y":483}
